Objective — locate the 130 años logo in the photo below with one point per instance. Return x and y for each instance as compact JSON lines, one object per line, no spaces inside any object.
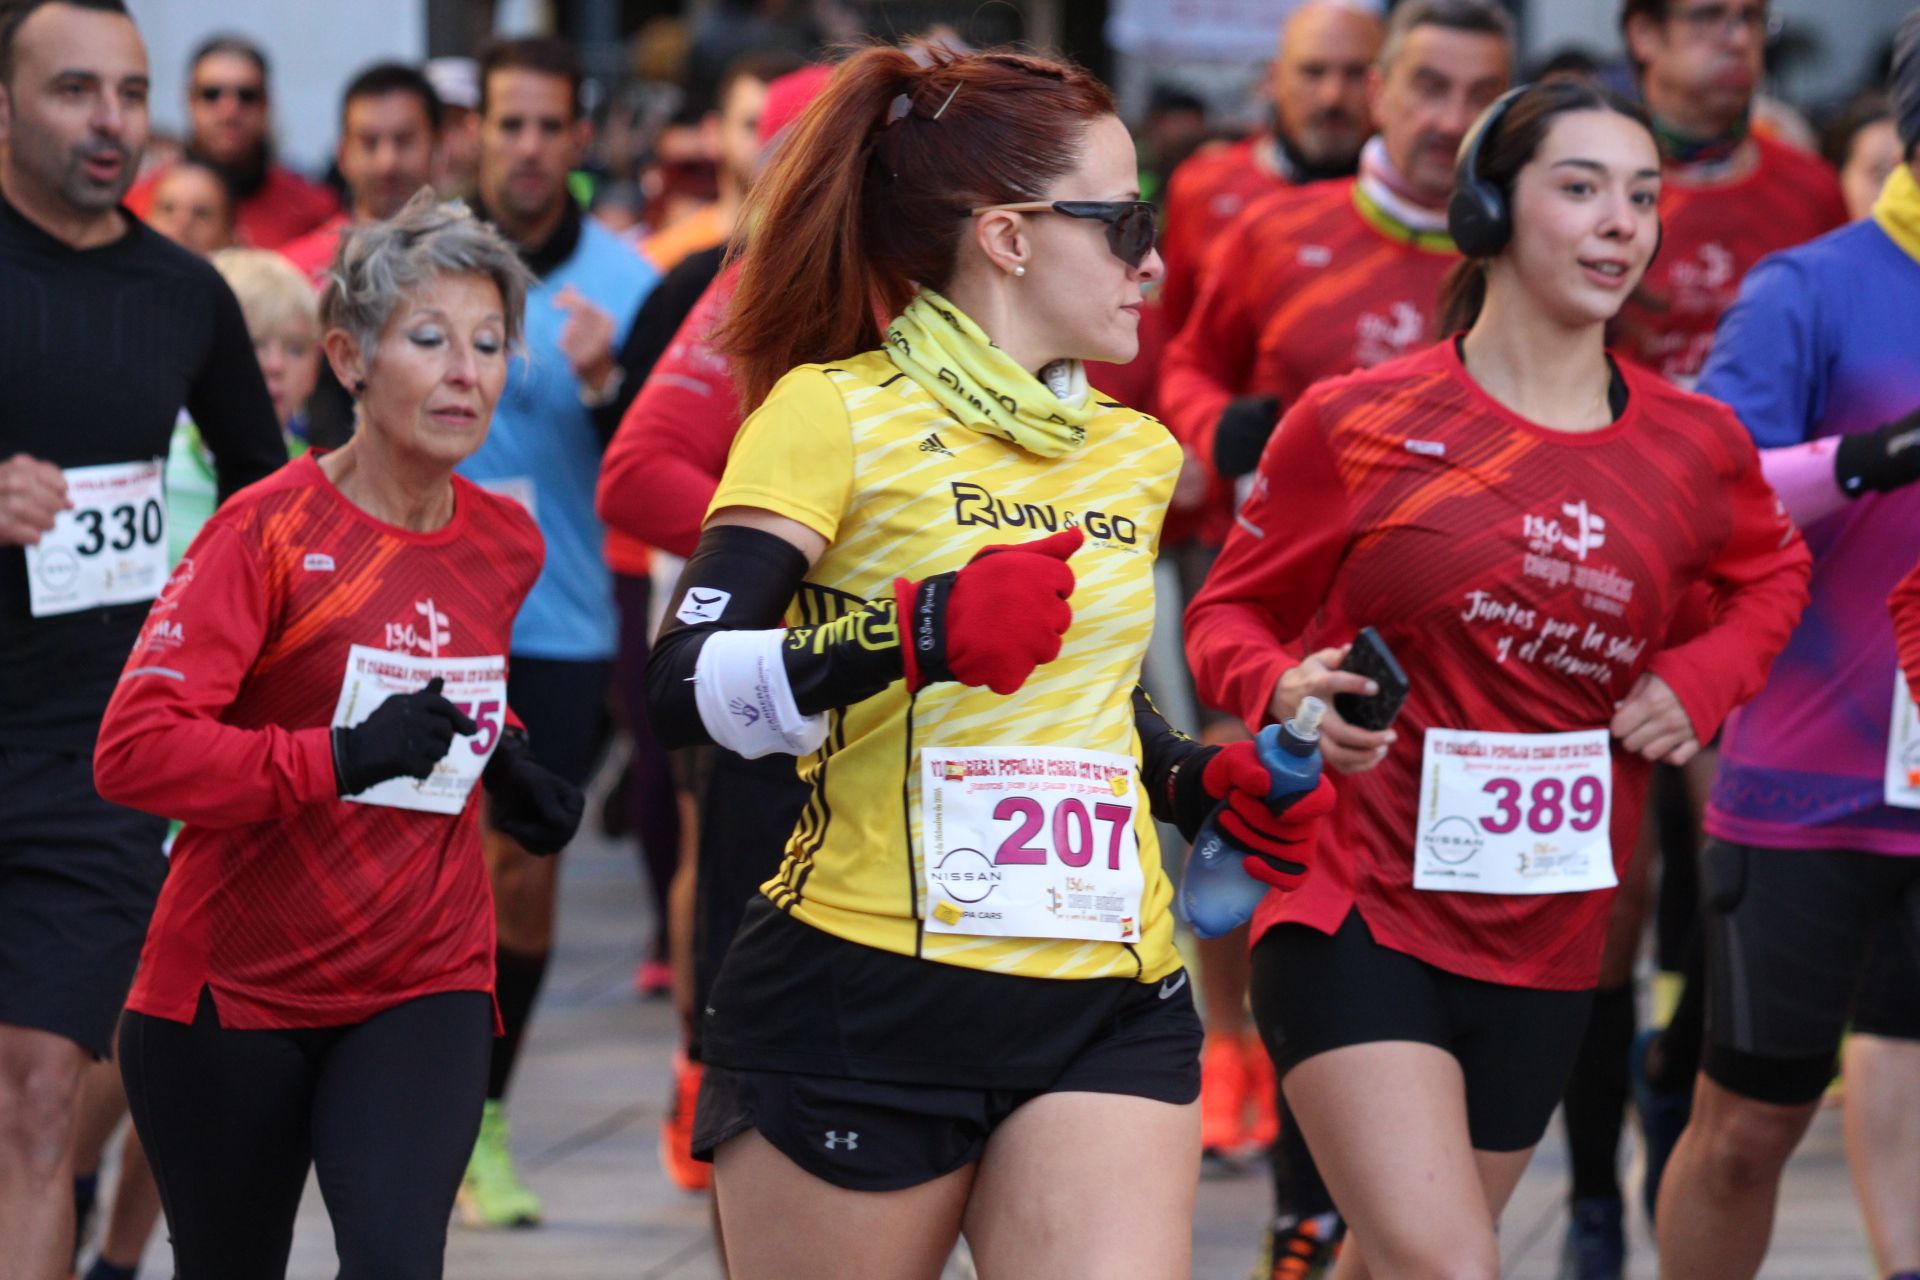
{"x":972,"y":504}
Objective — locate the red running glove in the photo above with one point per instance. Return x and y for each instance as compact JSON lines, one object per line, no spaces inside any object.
{"x":1279,"y":842}
{"x":992,"y":622}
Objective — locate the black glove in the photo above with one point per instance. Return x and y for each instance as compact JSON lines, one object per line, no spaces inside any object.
{"x":535,"y":807}
{"x":1241,"y":434}
{"x":405,"y":737}
{"x":1882,"y":459}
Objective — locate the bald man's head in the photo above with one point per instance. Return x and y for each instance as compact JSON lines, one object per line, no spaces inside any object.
{"x":1319,"y":81}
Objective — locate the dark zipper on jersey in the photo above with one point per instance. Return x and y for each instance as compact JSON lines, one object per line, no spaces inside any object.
{"x":906,"y":813}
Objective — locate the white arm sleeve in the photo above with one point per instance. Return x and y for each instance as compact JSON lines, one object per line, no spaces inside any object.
{"x":740,"y":685}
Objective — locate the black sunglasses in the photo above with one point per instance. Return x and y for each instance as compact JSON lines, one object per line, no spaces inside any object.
{"x":249,"y":95}
{"x":1131,"y":224}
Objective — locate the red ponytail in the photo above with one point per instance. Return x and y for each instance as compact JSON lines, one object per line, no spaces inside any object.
{"x":867,"y":195}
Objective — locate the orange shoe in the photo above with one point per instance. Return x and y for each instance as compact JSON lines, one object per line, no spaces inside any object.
{"x":676,"y":1131}
{"x":1223,"y":1096}
{"x":1301,"y":1249}
{"x":1263,"y":1116}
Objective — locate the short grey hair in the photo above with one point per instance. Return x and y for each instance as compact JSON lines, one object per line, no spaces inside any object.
{"x":380,"y":263}
{"x":1478,"y":17}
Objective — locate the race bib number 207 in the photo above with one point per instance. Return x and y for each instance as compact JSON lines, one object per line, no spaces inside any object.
{"x":1030,"y":842}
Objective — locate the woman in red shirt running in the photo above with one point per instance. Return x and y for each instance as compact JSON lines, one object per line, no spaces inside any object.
{"x":1518,"y":515}
{"x":315,"y":694}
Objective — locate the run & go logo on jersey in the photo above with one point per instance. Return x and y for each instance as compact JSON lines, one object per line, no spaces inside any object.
{"x":974,"y":505}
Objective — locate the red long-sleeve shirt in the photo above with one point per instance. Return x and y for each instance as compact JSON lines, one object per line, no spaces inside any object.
{"x":1711,"y":235}
{"x":1305,"y":285}
{"x":284,"y":207}
{"x":294,"y":907}
{"x":661,"y":469}
{"x":1525,"y":578}
{"x":1205,"y":194}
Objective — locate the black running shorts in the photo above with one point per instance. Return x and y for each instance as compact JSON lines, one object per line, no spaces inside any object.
{"x":78,"y":880}
{"x":871,"y":1135}
{"x":1516,"y":1045}
{"x":1790,"y":941}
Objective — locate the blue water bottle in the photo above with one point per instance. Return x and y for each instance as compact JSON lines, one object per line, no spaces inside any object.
{"x":1217,"y":895}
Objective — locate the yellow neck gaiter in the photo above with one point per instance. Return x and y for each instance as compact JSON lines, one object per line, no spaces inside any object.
{"x":950,"y":356}
{"x":1897,"y":210}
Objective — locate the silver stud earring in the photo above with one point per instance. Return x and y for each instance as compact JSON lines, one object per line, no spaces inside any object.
{"x":1019,"y":271}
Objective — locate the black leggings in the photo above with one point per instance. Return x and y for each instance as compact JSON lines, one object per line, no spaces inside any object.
{"x":386,"y":1110}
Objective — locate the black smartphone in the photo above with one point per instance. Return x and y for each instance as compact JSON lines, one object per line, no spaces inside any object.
{"x":1371,"y":658}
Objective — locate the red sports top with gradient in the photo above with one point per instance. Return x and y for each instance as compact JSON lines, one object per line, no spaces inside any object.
{"x":1208,"y":190}
{"x":1304,"y":285}
{"x":1711,"y":235}
{"x":1525,"y":578}
{"x":297,"y":908}
{"x":284,"y":207}
{"x":664,"y":463}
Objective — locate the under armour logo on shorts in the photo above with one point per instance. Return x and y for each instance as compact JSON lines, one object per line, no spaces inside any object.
{"x":838,"y":1141}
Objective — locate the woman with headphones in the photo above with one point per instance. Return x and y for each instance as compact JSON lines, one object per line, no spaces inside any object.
{"x":1517,"y":515}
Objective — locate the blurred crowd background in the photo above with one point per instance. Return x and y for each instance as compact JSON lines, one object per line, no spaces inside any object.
{"x":1186,"y":71}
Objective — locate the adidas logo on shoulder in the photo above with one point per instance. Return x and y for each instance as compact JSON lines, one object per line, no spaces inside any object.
{"x":934,"y":444}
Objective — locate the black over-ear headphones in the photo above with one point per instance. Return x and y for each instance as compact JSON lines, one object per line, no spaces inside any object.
{"x":1478,"y":216}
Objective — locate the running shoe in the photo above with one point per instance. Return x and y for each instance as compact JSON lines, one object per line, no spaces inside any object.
{"x":1596,"y":1246}
{"x":1301,"y":1248}
{"x":652,"y":979}
{"x":1223,"y":1102}
{"x":1263,"y":1116}
{"x":1663,"y":1116}
{"x":676,"y":1131}
{"x":491,"y":1194}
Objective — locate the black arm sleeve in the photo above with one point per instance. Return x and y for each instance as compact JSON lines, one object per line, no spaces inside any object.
{"x":1171,"y":764}
{"x":742,"y":579}
{"x":228,"y":401}
{"x":652,"y":330}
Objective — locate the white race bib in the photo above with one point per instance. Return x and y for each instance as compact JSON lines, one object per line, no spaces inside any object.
{"x":1030,"y":842}
{"x":1902,"y":786}
{"x":478,"y":686}
{"x":110,"y":549}
{"x":1515,"y":812}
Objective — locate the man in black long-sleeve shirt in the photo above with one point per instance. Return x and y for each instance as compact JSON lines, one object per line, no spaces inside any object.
{"x":106,"y":331}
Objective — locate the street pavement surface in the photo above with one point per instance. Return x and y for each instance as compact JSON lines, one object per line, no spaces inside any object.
{"x":593,"y":1083}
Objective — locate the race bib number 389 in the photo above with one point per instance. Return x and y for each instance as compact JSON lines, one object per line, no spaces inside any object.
{"x":1030,"y":842}
{"x":111,"y":548}
{"x":1515,"y":812}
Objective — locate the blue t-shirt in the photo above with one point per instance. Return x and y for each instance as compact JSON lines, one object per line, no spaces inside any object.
{"x":544,"y":452}
{"x":1825,"y":340}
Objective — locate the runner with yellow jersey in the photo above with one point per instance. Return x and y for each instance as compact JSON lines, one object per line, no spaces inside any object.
{"x":960,"y":989}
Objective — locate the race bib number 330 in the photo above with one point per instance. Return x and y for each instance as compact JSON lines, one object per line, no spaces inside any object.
{"x":1520,"y":813}
{"x":1030,"y":842}
{"x":110,"y":548}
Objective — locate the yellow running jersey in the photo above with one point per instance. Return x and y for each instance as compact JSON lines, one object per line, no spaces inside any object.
{"x":861,"y":454}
